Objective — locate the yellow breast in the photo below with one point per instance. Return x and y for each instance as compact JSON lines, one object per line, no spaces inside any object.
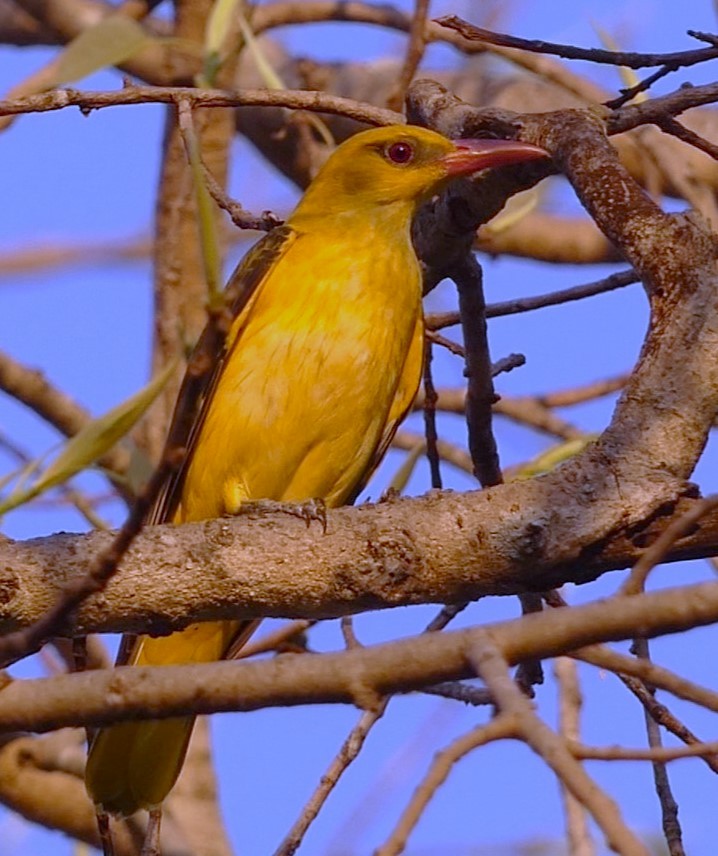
{"x":317,"y":360}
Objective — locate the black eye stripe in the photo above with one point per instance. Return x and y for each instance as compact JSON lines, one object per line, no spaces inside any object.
{"x":400,"y":152}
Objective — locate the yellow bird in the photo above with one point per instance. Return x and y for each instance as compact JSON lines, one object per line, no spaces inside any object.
{"x":322,"y":362}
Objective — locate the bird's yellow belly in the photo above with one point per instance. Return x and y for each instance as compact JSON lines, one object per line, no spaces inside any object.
{"x":305,"y":394}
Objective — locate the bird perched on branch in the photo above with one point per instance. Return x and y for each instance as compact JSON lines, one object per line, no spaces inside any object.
{"x":322,"y":361}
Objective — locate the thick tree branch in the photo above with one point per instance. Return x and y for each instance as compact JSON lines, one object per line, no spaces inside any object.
{"x":439,"y":548}
{"x":359,"y":676}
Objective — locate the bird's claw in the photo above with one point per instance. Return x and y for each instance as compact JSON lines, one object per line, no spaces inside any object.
{"x":308,"y":511}
{"x":314,"y":510}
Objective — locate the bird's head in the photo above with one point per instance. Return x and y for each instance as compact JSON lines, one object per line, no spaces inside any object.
{"x":400,"y":166}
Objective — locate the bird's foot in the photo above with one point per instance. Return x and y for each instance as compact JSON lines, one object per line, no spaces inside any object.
{"x":310,"y":511}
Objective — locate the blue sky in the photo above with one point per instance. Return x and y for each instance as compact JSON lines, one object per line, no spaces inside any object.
{"x":76,"y":180}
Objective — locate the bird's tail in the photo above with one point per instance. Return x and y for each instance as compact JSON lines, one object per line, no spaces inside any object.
{"x":133,"y":765}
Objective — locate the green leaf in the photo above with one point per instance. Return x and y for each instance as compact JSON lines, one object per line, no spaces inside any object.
{"x":110,"y":42}
{"x":270,"y":77}
{"x":219,"y":23}
{"x":89,"y":444}
{"x":206,"y":222}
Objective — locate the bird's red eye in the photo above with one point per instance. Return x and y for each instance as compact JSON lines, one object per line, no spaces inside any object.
{"x":400,"y":153}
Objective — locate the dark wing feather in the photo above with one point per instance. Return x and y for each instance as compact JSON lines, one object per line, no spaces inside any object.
{"x":197,"y":389}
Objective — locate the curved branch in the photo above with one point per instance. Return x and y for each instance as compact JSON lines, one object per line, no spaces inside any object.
{"x":296,"y":99}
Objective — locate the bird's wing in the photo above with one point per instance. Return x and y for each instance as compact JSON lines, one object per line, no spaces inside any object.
{"x":196,"y":392}
{"x":403,"y":399}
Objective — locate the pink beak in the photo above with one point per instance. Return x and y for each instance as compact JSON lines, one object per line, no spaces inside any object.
{"x":473,"y":155}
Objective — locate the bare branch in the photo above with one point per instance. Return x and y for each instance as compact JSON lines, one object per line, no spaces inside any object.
{"x":663,"y":716}
{"x":669,"y":806}
{"x":319,"y":102}
{"x":677,"y":59}
{"x":438,"y":320}
{"x":360,"y":676}
{"x":492,"y":668}
{"x":414,"y":53}
{"x":656,"y":552}
{"x":429,"y":408}
{"x":480,"y":395}
{"x":502,"y":727}
{"x":351,"y":747}
{"x":570,"y":704}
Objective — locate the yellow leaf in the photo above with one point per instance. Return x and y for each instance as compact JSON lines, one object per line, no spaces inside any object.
{"x":517,"y":207}
{"x":551,"y":458}
{"x":219,"y":23}
{"x":89,"y":444}
{"x":270,"y":77}
{"x":628,"y":75}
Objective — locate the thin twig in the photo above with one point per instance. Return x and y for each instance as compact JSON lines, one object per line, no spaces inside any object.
{"x":673,"y":126}
{"x":507,"y":364}
{"x":491,"y":666}
{"x":276,"y":640}
{"x":526,"y":410}
{"x":444,"y":617}
{"x":679,"y":59}
{"x":351,"y":747}
{"x":570,"y":704}
{"x":451,"y":346}
{"x":660,"y":753}
{"x":480,"y":394}
{"x":529,"y":672}
{"x":430,"y":433}
{"x":649,"y":673}
{"x":438,"y":320}
{"x":643,"y":86}
{"x":661,"y":546}
{"x":346,"y":622}
{"x":501,"y":728}
{"x":453,"y":454}
{"x":414,"y":54}
{"x":663,"y":716}
{"x":654,"y":110}
{"x":349,"y":750}
{"x":297,"y":99}
{"x":581,"y":394}
{"x":243,"y":219}
{"x":669,"y":807}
